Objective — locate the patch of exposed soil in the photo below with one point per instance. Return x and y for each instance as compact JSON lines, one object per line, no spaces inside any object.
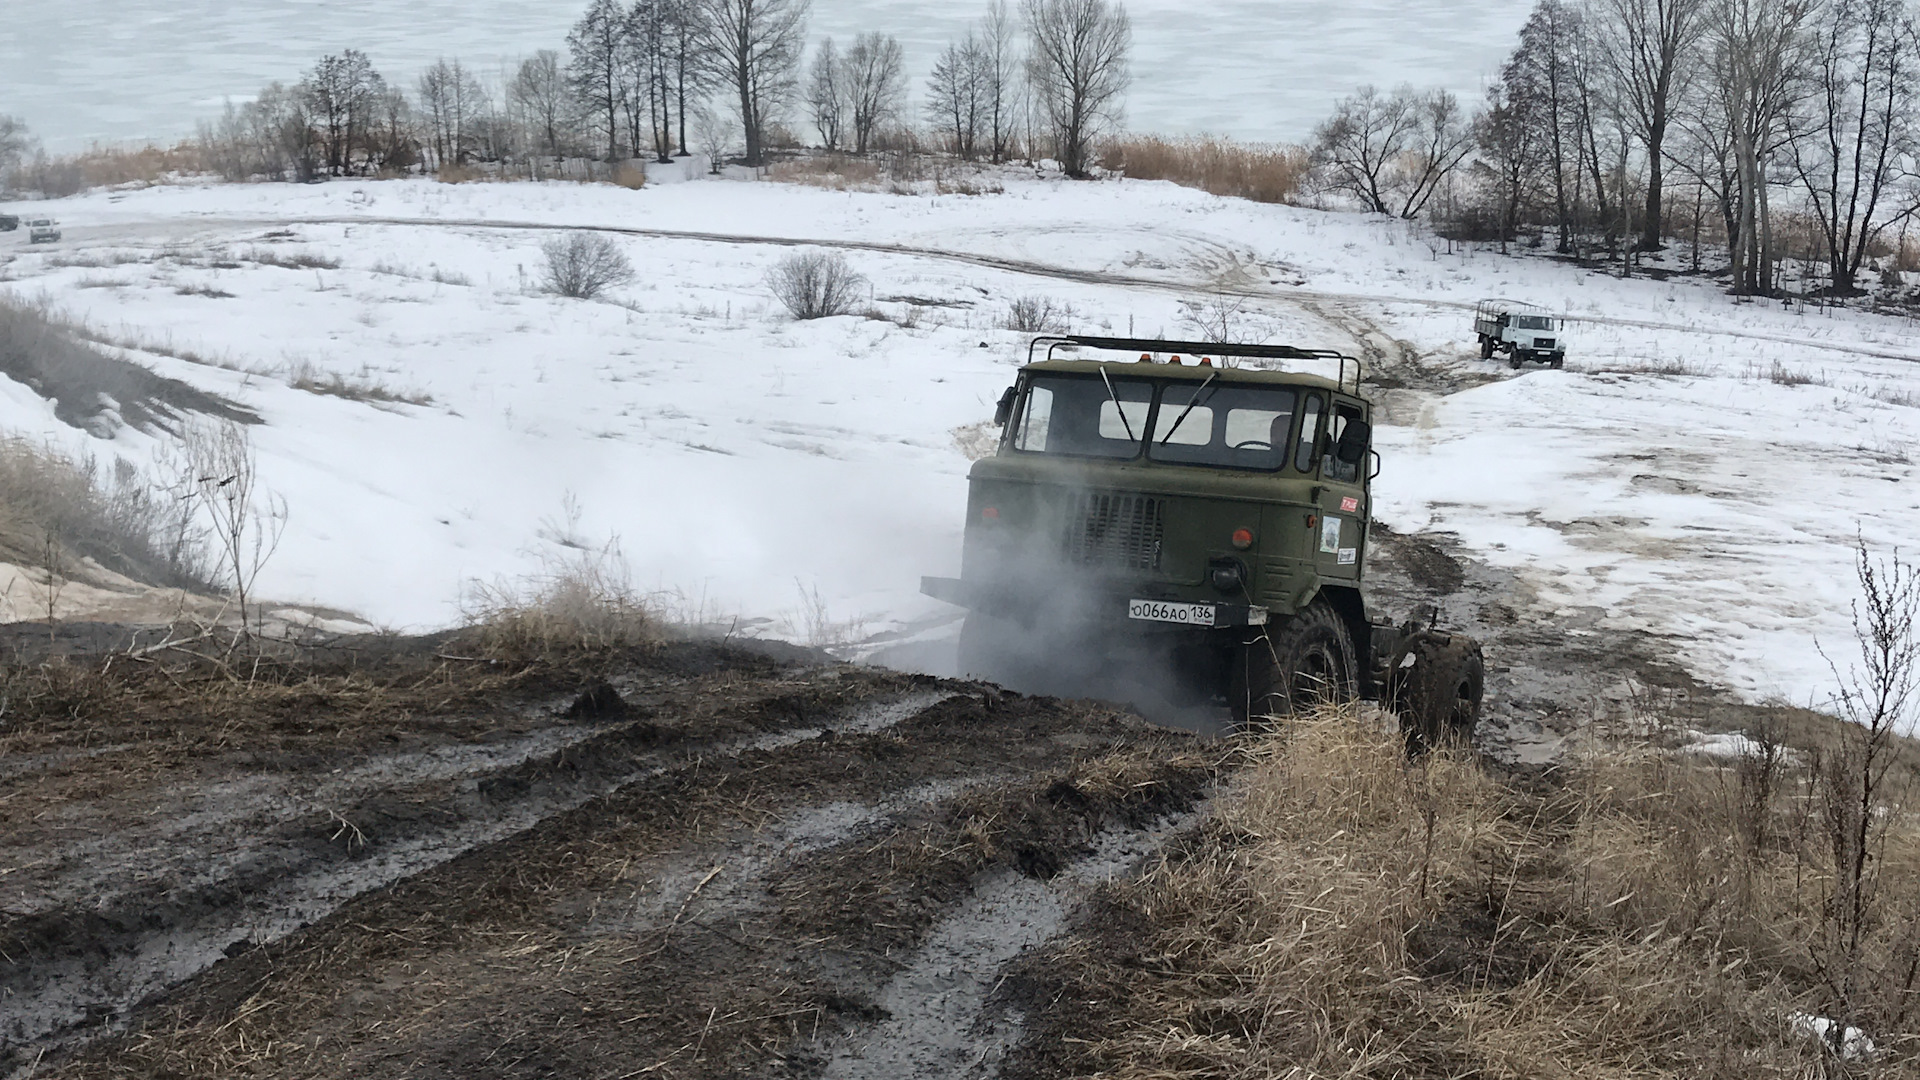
{"x":712,"y":862}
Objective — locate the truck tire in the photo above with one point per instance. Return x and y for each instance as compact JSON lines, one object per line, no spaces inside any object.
{"x":984,"y":650}
{"x":1518,"y":361}
{"x":1436,"y":686}
{"x":1305,"y":661}
{"x":1486,"y":347}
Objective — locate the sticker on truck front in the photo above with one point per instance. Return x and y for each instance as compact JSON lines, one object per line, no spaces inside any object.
{"x":1161,"y":611}
{"x":1349,"y":556}
{"x":1330,"y":535}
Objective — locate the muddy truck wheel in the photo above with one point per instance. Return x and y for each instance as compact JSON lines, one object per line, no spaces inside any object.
{"x":1486,"y":347}
{"x":1436,"y":685}
{"x":1307,"y":660}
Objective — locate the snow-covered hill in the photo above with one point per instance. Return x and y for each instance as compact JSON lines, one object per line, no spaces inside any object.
{"x":1674,"y":479}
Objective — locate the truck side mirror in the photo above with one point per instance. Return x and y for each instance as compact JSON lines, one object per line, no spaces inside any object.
{"x":1353,"y":442}
{"x":1003,"y":412}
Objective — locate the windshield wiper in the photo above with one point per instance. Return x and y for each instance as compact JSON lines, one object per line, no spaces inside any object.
{"x":1116,"y":405}
{"x":1190,"y":406}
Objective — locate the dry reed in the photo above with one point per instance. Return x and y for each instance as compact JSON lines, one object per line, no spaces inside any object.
{"x":1269,"y":173}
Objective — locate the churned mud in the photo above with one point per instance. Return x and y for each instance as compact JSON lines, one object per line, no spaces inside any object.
{"x":704,"y":863}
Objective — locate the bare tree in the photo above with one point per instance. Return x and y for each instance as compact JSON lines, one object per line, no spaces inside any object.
{"x":1078,"y":70}
{"x":689,"y":68}
{"x":756,"y":46}
{"x":539,"y":91}
{"x":341,"y":94}
{"x":1361,"y":142}
{"x":1758,"y":54}
{"x":957,"y":102}
{"x":594,"y":68}
{"x":873,"y":73}
{"x":826,"y":98}
{"x":15,"y":144}
{"x":1647,"y":44}
{"x":1510,"y":133}
{"x":711,"y":132}
{"x":456,"y":106}
{"x":1540,"y":77}
{"x":1855,"y":127}
{"x":1000,"y":72}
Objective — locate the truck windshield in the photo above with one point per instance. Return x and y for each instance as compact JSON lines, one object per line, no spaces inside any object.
{"x":1241,"y":427}
{"x":1085,"y":417}
{"x":1204,"y":423}
{"x":1534,"y":322}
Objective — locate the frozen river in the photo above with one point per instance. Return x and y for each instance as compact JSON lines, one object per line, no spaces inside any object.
{"x":89,"y":70}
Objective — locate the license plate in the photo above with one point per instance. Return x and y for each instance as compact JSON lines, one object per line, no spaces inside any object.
{"x":1161,"y":611}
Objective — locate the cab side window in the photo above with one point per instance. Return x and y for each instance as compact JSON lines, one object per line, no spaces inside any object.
{"x":1331,"y":467}
{"x":1310,"y":417}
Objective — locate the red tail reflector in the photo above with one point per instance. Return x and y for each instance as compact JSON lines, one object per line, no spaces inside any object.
{"x":991,"y":513}
{"x":1243,"y":538}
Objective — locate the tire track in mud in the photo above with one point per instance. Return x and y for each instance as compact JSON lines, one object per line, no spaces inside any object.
{"x":759,"y":910}
{"x":81,"y":963}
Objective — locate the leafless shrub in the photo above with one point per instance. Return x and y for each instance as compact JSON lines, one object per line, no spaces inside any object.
{"x":1037,"y":315}
{"x":1268,"y":173}
{"x":816,"y":284}
{"x":1225,"y":320}
{"x":584,"y":602}
{"x":582,"y":265}
{"x":207,"y":291}
{"x":220,"y":474}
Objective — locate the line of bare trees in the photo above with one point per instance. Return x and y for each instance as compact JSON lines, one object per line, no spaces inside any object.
{"x":1760,"y":111}
{"x":662,"y":78}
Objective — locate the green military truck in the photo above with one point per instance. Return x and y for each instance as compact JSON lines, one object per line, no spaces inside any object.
{"x":1206,"y":520}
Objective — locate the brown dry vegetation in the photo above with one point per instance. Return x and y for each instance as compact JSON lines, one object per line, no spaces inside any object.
{"x":1349,"y":914}
{"x":1260,"y":172}
{"x":835,"y":172}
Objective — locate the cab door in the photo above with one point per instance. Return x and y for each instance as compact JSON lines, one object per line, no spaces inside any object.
{"x":1343,"y":491}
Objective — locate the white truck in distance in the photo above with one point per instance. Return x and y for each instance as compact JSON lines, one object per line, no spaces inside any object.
{"x":1522,"y":331}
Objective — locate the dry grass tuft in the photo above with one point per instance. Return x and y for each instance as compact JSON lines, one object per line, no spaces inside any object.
{"x":584,"y":604}
{"x":1351,"y":914}
{"x":1269,"y":173}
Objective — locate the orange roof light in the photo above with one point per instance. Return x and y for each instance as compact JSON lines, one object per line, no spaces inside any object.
{"x":1146,"y":358}
{"x":1174,"y":360}
{"x":1204,"y":362}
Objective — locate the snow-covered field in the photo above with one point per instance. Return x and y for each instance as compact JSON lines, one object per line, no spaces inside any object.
{"x":807,"y":474}
{"x":90,"y":70}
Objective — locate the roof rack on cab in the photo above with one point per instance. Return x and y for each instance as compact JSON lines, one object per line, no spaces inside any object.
{"x":1148,"y":346}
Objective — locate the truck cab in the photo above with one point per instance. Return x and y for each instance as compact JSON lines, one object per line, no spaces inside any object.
{"x":1175,"y":510}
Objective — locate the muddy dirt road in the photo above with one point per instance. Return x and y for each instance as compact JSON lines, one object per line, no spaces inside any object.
{"x":713,"y":863}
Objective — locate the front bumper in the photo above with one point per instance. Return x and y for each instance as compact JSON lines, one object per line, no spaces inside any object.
{"x":1028,"y":608}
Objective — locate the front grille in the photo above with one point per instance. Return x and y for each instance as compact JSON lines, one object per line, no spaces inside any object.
{"x":1116,"y":531}
{"x":1543,"y":343}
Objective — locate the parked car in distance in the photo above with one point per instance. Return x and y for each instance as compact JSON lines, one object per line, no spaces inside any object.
{"x":8,"y":223}
{"x":43,"y":231}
